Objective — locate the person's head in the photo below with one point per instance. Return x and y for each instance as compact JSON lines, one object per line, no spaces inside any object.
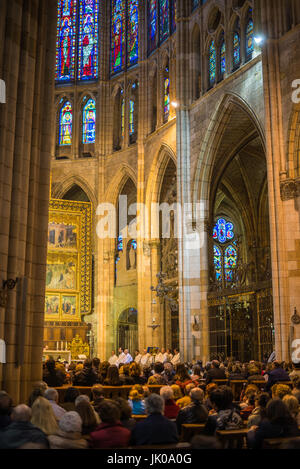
{"x":120,"y":350}
{"x":126,"y":351}
{"x":87,"y":413}
{"x":196,"y":370}
{"x":124,"y":407}
{"x":21,"y":413}
{"x":176,"y":351}
{"x":292,"y":404}
{"x":263,"y":399}
{"x":113,"y":375}
{"x":40,"y":385}
{"x":197,"y":395}
{"x":154,"y":404}
{"x":253,"y":370}
{"x":176,"y":391}
{"x":146,"y":391}
{"x":222,"y":398}
{"x":136,"y":353}
{"x":188,"y":388}
{"x":139,"y":388}
{"x":34,"y":395}
{"x":250,"y":390}
{"x":280,"y":390}
{"x":146,"y":371}
{"x":51,"y":394}
{"x":79,"y":367}
{"x":167,"y":393}
{"x":43,"y":416}
{"x":113,"y":353}
{"x":145,"y":351}
{"x":97,"y":392}
{"x":163,"y":351}
{"x":82,"y":398}
{"x":276,"y":365}
{"x":71,"y":394}
{"x":210,"y":388}
{"x":88,"y":364}
{"x":96,"y":363}
{"x":158,"y":368}
{"x":109,"y":412}
{"x":70,"y":422}
{"x":168,"y":367}
{"x":5,"y":403}
{"x":104,"y":368}
{"x":277,"y":411}
{"x":236,"y":369}
{"x":50,"y":365}
{"x":134,"y":395}
{"x":135,"y":370}
{"x":216,"y":364}
{"x":181,"y":372}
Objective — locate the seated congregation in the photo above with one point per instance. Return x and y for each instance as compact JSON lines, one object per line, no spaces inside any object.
{"x":101,"y":406}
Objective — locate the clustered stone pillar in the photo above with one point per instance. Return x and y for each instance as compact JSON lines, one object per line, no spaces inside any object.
{"x":27,"y":61}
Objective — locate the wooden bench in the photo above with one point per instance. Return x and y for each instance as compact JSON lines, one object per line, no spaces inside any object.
{"x":139,"y":418}
{"x":233,"y":439}
{"x":276,"y":443}
{"x":189,"y":430}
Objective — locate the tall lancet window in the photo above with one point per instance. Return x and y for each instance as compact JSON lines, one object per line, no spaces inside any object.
{"x":88,"y":38}
{"x":66,"y":39}
{"x":236,"y":50}
{"x":225,"y":252}
{"x":166,"y":95}
{"x":133,"y":33}
{"x":222,"y":57}
{"x":65,"y":124}
{"x":249,"y":40}
{"x":212,"y":63}
{"x":89,"y":122}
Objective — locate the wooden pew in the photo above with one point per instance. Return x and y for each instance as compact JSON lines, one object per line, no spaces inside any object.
{"x":276,"y":443}
{"x":189,"y":430}
{"x":233,"y":439}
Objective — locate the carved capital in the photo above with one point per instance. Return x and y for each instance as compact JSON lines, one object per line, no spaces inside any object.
{"x":289,"y":189}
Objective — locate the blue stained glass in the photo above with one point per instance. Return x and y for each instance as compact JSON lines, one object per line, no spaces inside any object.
{"x":230,"y":262}
{"x":164,"y":20}
{"x":218,"y":263}
{"x":65,"y":124}
{"x":223,"y":57}
{"x":236,"y":50}
{"x":195,"y":4}
{"x":212,"y":63}
{"x":118,"y":36}
{"x":223,"y":231}
{"x":66,"y":37}
{"x":249,"y":39}
{"x":89,"y":122}
{"x":152,"y":25}
{"x":173,"y":15}
{"x":88,"y":40}
{"x":133,"y":32}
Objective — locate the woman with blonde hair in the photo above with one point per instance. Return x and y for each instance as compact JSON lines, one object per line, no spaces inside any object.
{"x":43,"y":416}
{"x":177,"y":392}
{"x":292,"y":404}
{"x":136,"y":403}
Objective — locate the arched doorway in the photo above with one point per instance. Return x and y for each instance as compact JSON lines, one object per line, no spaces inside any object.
{"x":127,"y":330}
{"x":240,"y":303}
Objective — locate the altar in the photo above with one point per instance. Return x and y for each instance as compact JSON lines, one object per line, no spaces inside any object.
{"x":64,"y":355}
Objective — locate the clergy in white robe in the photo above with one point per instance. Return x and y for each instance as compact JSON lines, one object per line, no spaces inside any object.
{"x":113,"y":358}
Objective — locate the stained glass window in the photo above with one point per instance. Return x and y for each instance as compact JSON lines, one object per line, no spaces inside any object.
{"x":249,"y":39}
{"x":195,"y":4}
{"x":173,"y":15}
{"x":65,"y":124}
{"x":225,"y":257}
{"x":212,"y":63}
{"x":218,"y":263}
{"x":88,"y":40}
{"x":131,"y":117}
{"x":164,"y":20}
{"x":236,"y":50}
{"x":223,"y":58}
{"x":167,"y":99}
{"x":123,"y":118}
{"x":133,"y":30}
{"x":117,"y":35}
{"x":223,"y":231}
{"x":66,"y":37}
{"x":152,"y":25}
{"x":89,"y":122}
{"x":230,"y":262}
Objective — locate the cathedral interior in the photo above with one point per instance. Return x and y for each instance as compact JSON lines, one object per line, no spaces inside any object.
{"x":113,"y":108}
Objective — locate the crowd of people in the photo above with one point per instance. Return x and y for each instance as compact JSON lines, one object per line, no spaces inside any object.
{"x":188,"y":394}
